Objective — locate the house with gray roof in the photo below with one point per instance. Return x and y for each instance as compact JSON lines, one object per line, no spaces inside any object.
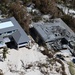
{"x":11,"y":33}
{"x":55,"y":33}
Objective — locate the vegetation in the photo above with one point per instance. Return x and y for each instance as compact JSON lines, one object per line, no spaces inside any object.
{"x":5,"y":51}
{"x":26,"y":1}
{"x":68,"y":3}
{"x":47,"y":7}
{"x":48,"y":53}
{"x":37,"y":18}
{"x":72,"y":68}
{"x":70,"y":21}
{"x":1,"y":72}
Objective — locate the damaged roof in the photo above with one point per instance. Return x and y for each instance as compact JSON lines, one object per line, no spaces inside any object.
{"x":55,"y":29}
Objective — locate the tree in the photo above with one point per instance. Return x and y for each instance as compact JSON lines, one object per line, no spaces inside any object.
{"x":47,"y":7}
{"x":70,"y":21}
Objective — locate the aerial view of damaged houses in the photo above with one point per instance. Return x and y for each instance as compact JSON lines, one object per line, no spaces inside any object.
{"x":37,"y":37}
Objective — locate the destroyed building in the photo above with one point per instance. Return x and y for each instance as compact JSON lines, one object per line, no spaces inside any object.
{"x":55,"y":34}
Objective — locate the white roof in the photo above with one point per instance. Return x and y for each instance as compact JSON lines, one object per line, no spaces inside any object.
{"x":6,"y":24}
{"x":66,"y":52}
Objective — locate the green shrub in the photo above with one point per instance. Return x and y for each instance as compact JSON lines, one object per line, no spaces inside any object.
{"x":71,"y":68}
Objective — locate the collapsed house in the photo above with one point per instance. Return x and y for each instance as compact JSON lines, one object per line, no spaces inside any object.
{"x":55,"y":34}
{"x":11,"y":34}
